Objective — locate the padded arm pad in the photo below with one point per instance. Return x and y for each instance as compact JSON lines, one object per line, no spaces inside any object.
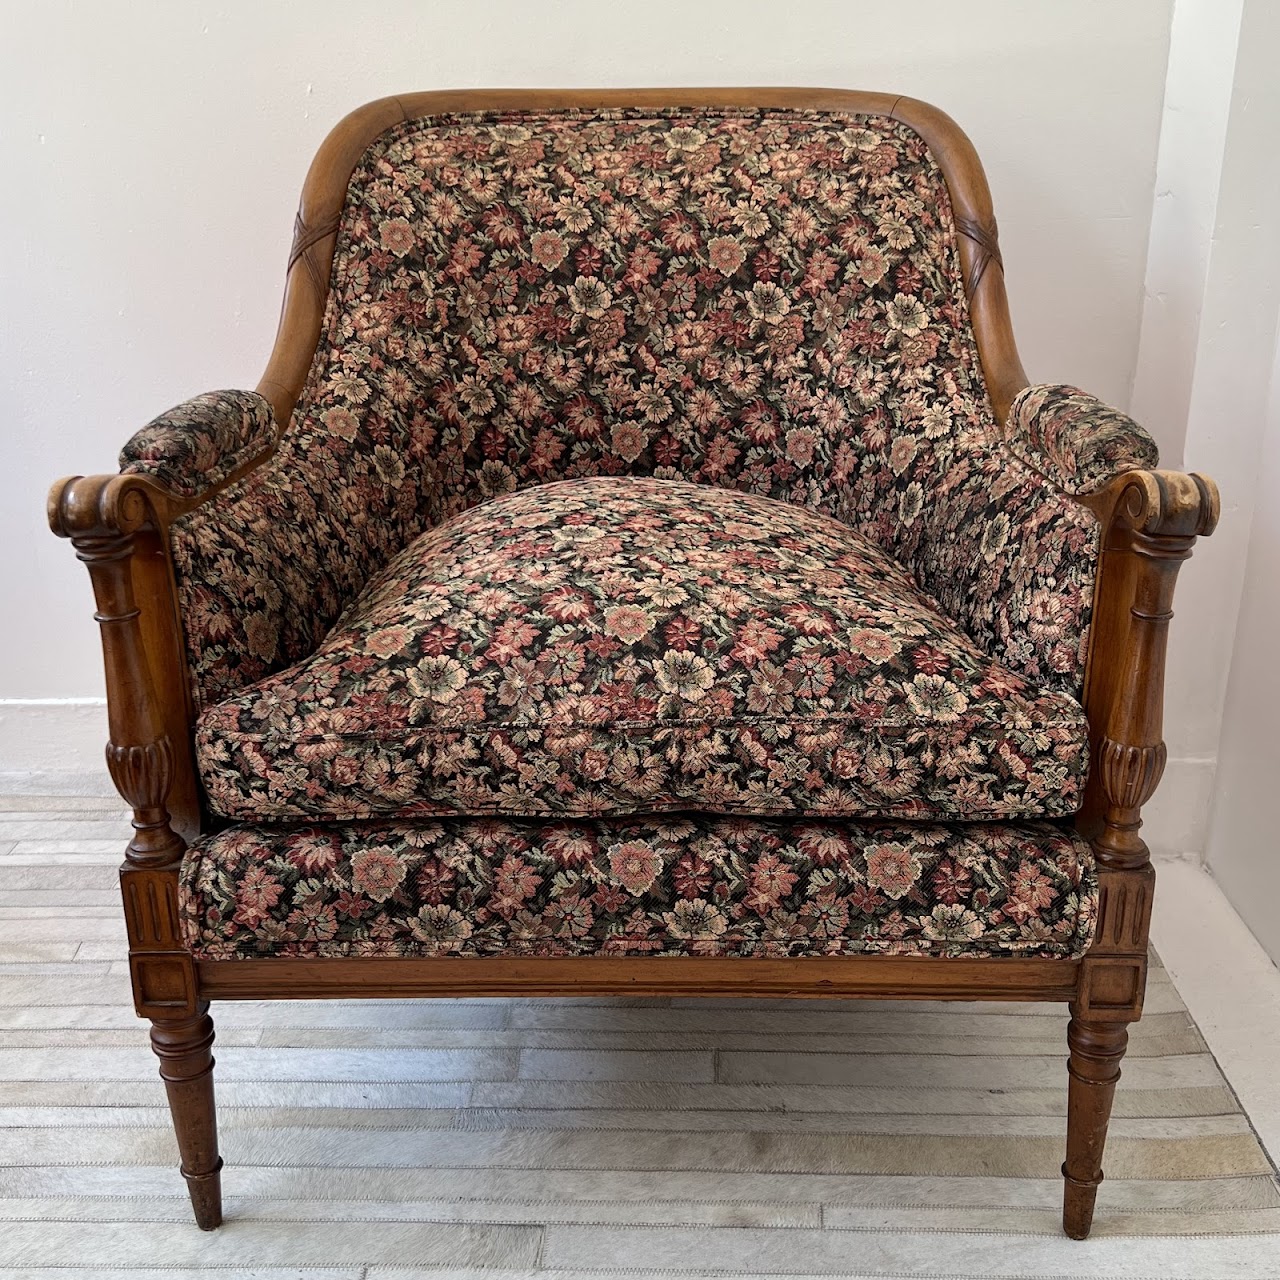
{"x":202,"y":441}
{"x":1075,"y":440}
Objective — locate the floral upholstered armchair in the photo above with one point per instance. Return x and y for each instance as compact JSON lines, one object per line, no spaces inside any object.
{"x":643,"y":567}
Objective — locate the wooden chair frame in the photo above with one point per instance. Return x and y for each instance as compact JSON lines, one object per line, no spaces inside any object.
{"x":119,"y":527}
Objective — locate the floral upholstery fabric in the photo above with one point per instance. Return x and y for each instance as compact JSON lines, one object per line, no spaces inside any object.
{"x":644,"y":886}
{"x":769,"y":301}
{"x":637,"y":645}
{"x":1074,"y":439}
{"x":199,"y":443}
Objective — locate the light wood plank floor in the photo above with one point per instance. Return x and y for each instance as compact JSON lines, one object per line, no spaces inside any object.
{"x":559,"y":1138}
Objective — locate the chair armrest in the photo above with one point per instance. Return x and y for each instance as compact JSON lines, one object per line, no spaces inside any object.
{"x":198,"y":445}
{"x":121,"y":527}
{"x":1074,"y":439}
{"x":1012,"y":545}
{"x":1008,"y":556}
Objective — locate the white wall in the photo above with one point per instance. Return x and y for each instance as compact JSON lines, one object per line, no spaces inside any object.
{"x":1198,"y":97}
{"x":1206,"y":356}
{"x":1243,"y":847}
{"x":153,"y":154}
{"x":1224,"y":689}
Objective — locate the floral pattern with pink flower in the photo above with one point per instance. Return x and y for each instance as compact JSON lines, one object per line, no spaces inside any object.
{"x":684,"y":885}
{"x":1074,"y":438}
{"x":716,"y":661}
{"x":768,"y":301}
{"x":199,"y":443}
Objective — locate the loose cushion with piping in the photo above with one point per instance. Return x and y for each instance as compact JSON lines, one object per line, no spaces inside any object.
{"x":619,"y":646}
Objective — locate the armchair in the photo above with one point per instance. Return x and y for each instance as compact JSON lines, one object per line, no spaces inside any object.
{"x":643,"y":567}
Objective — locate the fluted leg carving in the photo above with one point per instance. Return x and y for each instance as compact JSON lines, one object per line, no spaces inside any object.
{"x":1094,"y":1067}
{"x":184,"y":1046}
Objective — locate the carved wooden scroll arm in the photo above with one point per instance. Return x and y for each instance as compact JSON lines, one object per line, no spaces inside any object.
{"x":115,"y":524}
{"x":1155,"y":518}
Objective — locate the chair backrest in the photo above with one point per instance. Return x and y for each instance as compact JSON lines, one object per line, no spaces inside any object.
{"x":759,"y":299}
{"x":770,"y":299}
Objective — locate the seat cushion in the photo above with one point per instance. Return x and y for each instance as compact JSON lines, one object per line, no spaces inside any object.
{"x":612,"y":646}
{"x":678,"y":885}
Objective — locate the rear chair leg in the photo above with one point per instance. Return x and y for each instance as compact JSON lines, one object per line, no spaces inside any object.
{"x":1094,"y":1067}
{"x":186,"y":1066}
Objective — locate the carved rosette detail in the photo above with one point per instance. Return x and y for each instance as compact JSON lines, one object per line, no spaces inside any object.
{"x":1130,"y":774}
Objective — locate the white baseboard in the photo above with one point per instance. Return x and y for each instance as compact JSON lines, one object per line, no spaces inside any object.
{"x":1176,"y":822}
{"x":1230,"y":985}
{"x":54,"y":748}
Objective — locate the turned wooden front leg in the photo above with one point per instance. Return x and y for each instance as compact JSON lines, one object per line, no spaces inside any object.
{"x":114,"y":525}
{"x":184,"y":1046}
{"x":1094,"y":1067}
{"x":1155,"y":521}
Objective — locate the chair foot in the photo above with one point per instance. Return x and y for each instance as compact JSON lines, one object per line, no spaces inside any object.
{"x":205,"y":1190}
{"x":1077,"y":1205}
{"x":1094,"y":1067}
{"x":183,"y":1046}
